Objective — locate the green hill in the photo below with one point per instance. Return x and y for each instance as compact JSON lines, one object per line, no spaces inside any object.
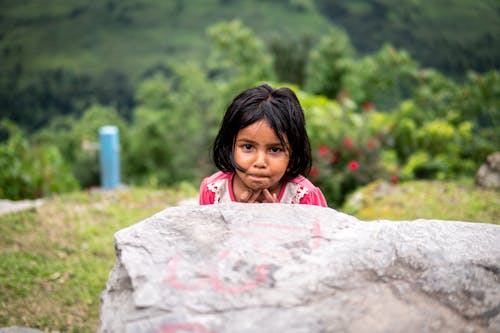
{"x":59,"y":57}
{"x":131,"y":36}
{"x":134,"y":36}
{"x":451,"y":35}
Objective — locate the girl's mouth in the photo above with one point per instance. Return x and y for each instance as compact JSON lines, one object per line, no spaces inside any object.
{"x":257,"y":182}
{"x":257,"y":177}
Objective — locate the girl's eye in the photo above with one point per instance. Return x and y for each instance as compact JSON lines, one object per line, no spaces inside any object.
{"x":247,"y":146}
{"x":276,"y":149}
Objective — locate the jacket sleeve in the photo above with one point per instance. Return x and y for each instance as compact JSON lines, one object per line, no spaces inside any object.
{"x":206,"y":196}
{"x":314,"y":197}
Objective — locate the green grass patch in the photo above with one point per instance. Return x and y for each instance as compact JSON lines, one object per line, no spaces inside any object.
{"x":55,"y":260}
{"x":460,"y":201}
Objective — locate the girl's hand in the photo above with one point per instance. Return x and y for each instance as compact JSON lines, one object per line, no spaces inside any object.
{"x":249,"y":196}
{"x":261,"y":196}
{"x":269,"y":197}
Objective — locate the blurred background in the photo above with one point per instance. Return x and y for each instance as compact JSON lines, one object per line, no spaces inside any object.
{"x":402,"y":102}
{"x":392,"y":90}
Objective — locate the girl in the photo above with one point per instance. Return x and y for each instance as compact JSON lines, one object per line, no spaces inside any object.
{"x":263,"y":151}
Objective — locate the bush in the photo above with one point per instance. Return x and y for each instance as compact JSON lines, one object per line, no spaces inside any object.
{"x":173,"y":127}
{"x":76,"y":140}
{"x":429,"y":149}
{"x":346,"y":146}
{"x":31,"y":171}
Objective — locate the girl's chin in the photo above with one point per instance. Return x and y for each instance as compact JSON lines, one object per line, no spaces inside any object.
{"x":257,"y":187}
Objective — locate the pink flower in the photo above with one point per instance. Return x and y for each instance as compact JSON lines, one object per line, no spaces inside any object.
{"x":353,"y":165}
{"x":323,"y":150}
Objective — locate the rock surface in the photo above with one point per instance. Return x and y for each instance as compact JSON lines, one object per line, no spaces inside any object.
{"x":488,"y":175}
{"x":296,"y":268}
{"x":19,"y":329}
{"x":10,"y":206}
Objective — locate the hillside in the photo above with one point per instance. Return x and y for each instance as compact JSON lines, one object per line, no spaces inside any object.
{"x":134,"y":36}
{"x":60,"y":57}
{"x":131,"y":36}
{"x":451,"y":35}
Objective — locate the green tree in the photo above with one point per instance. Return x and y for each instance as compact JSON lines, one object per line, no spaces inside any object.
{"x":238,"y":57}
{"x":173,"y":127}
{"x":384,"y":78}
{"x":329,"y":63}
{"x":290,"y":55}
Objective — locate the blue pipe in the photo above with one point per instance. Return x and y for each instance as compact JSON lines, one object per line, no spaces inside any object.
{"x":109,"y":156}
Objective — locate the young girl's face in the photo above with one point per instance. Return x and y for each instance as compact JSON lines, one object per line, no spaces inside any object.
{"x":261,"y":154}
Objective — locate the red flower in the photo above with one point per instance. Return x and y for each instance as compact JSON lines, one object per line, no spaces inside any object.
{"x":314,"y":172}
{"x":323,"y":150}
{"x":394,"y":179}
{"x":368,"y":106}
{"x":348,"y":142}
{"x":353,"y":165}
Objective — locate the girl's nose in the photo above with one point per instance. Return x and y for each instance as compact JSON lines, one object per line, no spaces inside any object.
{"x":260,"y":159}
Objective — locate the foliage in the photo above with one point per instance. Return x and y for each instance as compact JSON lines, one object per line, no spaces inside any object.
{"x":238,"y":55}
{"x":453,"y":36}
{"x":412,"y":123}
{"x":46,"y":72}
{"x":429,"y":148}
{"x":34,"y":103}
{"x":290,"y":57}
{"x":347,"y":149}
{"x":31,"y":171}
{"x":478,"y":100}
{"x":383,"y":79}
{"x":377,"y":116}
{"x":329,"y":63}
{"x":445,"y":200}
{"x":77,"y":139}
{"x":172,"y":128}
{"x":55,"y":260}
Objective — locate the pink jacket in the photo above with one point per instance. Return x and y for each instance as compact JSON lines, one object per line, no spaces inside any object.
{"x":216,"y":189}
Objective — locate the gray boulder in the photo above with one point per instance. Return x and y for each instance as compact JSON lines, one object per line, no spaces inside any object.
{"x":297,"y":268}
{"x":488,"y":175}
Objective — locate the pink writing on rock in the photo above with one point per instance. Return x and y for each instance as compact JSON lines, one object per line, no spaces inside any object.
{"x":304,"y":238}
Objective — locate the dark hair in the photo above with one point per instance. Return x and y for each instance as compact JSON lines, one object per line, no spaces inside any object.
{"x":281,"y":108}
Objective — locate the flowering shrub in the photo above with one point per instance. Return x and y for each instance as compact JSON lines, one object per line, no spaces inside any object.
{"x":353,"y":145}
{"x":347,"y":145}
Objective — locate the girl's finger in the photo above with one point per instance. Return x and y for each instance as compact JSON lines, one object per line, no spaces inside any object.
{"x":253,"y":198}
{"x":245,"y":196}
{"x":270,"y":198}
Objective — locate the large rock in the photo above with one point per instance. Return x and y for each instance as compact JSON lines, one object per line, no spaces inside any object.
{"x":296,"y":268}
{"x":488,"y":175}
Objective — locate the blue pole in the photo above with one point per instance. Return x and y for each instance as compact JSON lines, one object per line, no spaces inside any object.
{"x":109,"y":156}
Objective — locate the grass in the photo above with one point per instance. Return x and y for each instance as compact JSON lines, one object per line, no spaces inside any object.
{"x":55,"y":259}
{"x":425,"y":199}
